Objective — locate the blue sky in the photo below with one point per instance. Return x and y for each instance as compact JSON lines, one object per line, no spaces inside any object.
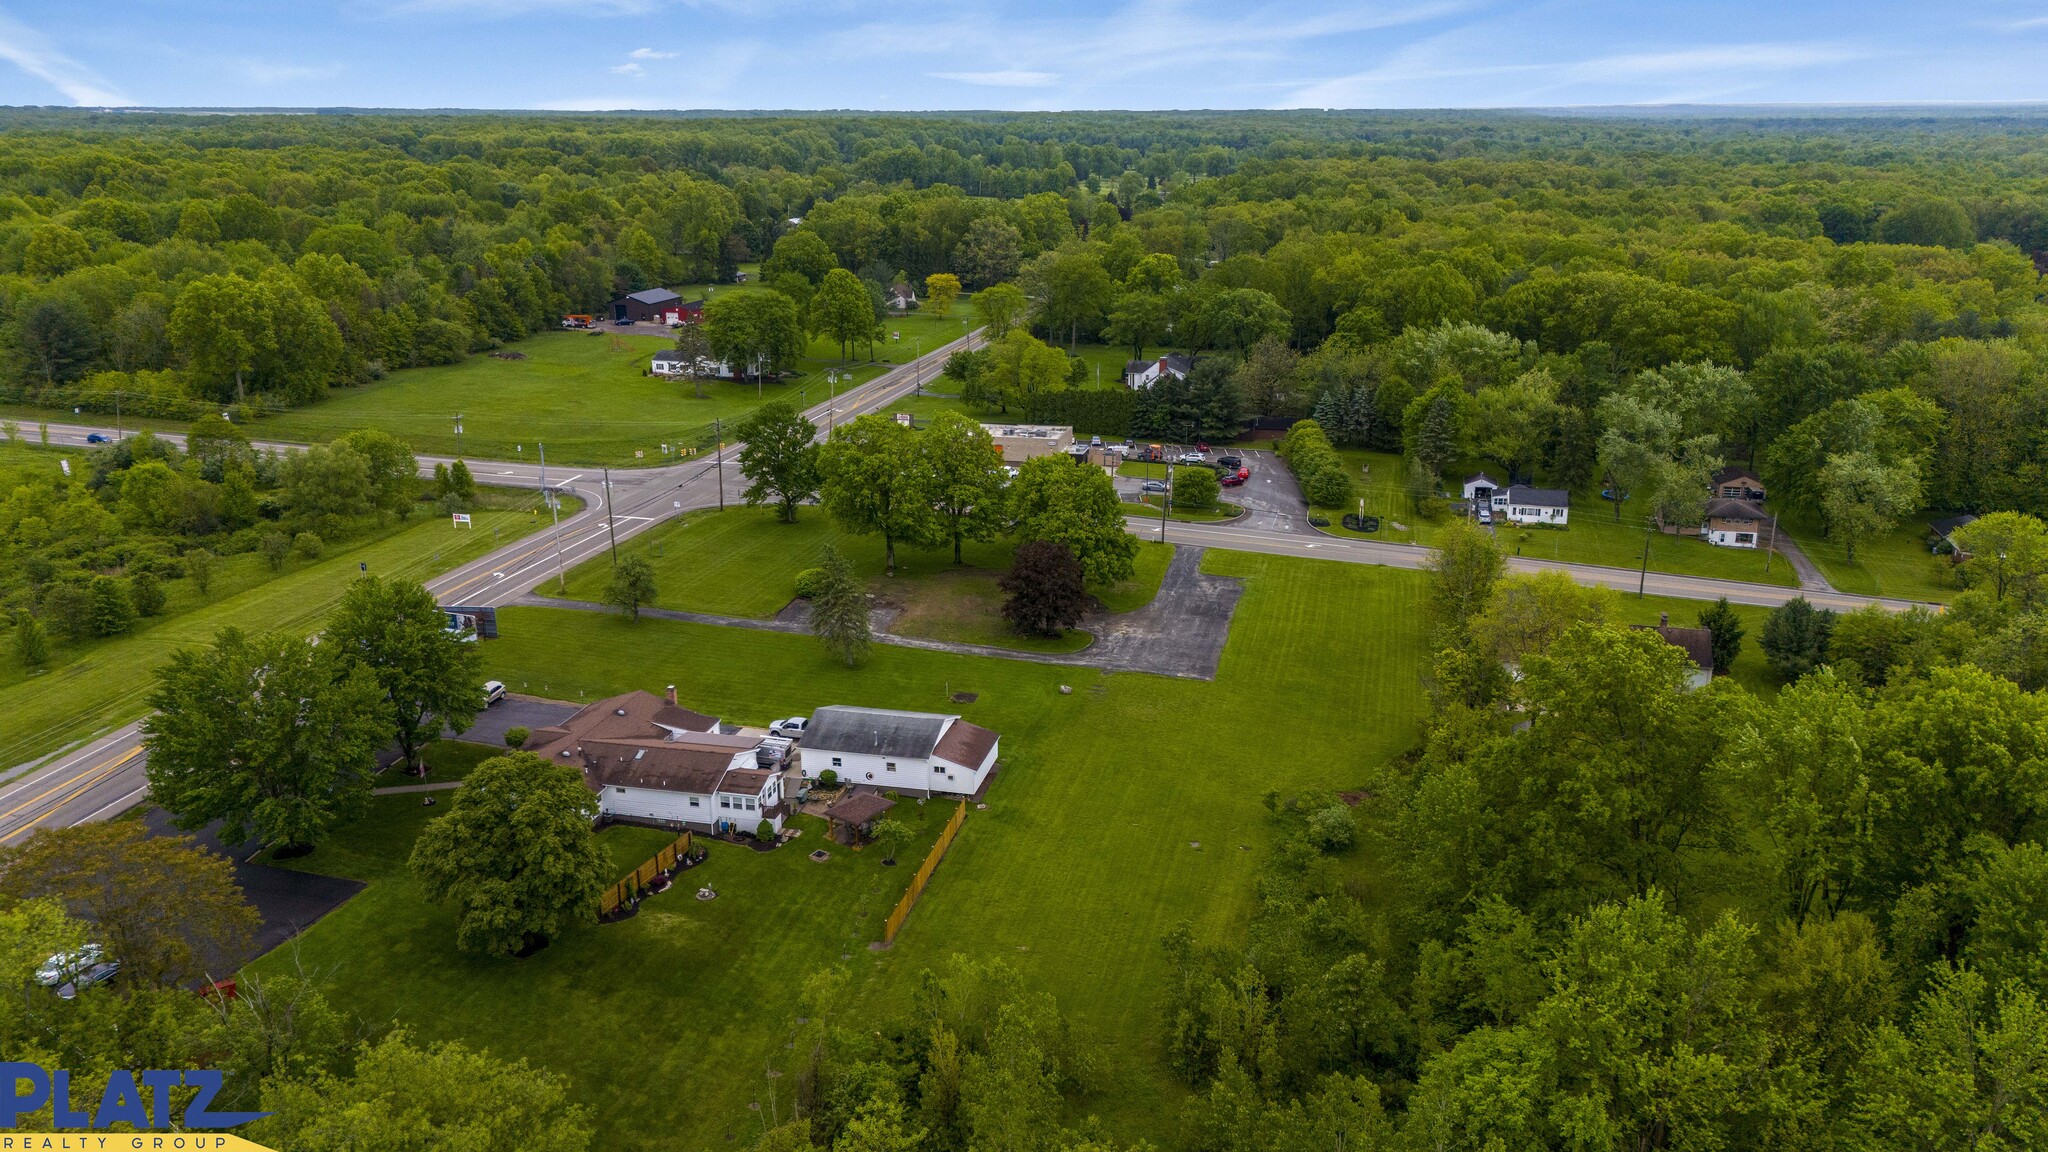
{"x":908,"y":54}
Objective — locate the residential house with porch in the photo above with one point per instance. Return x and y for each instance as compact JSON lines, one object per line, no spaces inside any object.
{"x":1696,"y":643}
{"x":1737,"y":483}
{"x":1146,"y":373}
{"x":650,"y":760}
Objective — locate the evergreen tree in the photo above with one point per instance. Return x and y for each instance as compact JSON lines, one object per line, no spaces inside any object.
{"x":1721,"y":622}
{"x":839,"y":610}
{"x":1795,"y":638}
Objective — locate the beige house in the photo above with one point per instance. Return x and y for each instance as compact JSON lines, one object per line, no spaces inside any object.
{"x":1021,"y":442}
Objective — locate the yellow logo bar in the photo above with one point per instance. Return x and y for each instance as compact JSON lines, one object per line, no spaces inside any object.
{"x":127,"y":1142}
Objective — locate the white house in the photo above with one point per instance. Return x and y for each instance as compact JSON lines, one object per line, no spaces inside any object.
{"x":1525,"y":505}
{"x":921,"y":752}
{"x":649,"y":759}
{"x":670,"y":363}
{"x":1735,"y":523}
{"x":1145,"y":373}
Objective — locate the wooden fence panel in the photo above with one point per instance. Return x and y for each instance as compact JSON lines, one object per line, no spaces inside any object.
{"x":644,"y":875}
{"x":901,"y":912}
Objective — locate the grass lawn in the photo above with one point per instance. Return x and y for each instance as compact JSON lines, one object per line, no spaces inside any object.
{"x":446,"y":760}
{"x":1224,"y":510}
{"x":94,"y":686}
{"x":1593,"y":535}
{"x":744,"y":562}
{"x":1896,"y":564}
{"x":1121,"y":809}
{"x":965,"y":606}
{"x":583,"y":393}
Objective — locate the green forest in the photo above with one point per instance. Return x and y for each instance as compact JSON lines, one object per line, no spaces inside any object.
{"x":1593,"y":906}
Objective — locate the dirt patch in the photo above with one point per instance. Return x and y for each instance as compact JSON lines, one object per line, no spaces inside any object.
{"x":1354,"y":799}
{"x":966,"y":697}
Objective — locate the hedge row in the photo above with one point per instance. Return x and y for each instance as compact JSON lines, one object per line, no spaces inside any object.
{"x":1090,"y":411}
{"x":1320,"y":473}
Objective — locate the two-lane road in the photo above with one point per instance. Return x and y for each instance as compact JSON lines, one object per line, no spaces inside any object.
{"x":106,"y":776}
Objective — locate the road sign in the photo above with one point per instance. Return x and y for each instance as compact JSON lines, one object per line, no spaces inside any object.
{"x":462,"y":520}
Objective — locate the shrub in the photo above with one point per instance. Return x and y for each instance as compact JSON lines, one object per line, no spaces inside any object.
{"x":765,"y":832}
{"x":809,"y":581}
{"x":828,"y":779}
{"x":111,"y":610}
{"x":275,"y":546}
{"x":1332,"y":829}
{"x":308,"y":545}
{"x":147,"y":593}
{"x":1195,"y":489}
{"x":199,"y":569}
{"x":515,"y":736}
{"x":1432,"y":508}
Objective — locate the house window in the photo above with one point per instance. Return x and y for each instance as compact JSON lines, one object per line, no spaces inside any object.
{"x":725,"y":801}
{"x":750,"y":803}
{"x":891,"y":765}
{"x":618,"y":788}
{"x":835,"y":761}
{"x":1745,"y":537}
{"x":693,"y":801}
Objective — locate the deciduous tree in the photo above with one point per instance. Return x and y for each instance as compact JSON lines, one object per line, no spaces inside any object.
{"x":779,"y":458}
{"x":632,"y":585}
{"x":967,"y":479}
{"x":515,"y":854}
{"x":878,"y":482}
{"x":432,"y":678}
{"x":1045,"y":588}
{"x":269,"y":734}
{"x":1054,"y":501}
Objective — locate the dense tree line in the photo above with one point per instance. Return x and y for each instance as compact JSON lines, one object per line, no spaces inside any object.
{"x":89,"y":552}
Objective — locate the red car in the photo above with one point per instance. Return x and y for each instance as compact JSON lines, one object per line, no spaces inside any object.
{"x":1233,"y":479}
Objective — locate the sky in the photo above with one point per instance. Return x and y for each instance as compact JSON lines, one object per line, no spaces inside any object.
{"x":1049,"y":54}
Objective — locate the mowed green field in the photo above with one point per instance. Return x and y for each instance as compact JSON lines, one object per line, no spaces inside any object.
{"x":102,"y":684}
{"x":584,"y":394}
{"x":1897,"y":564}
{"x":744,"y":562}
{"x":1122,"y":808}
{"x":1593,"y":535}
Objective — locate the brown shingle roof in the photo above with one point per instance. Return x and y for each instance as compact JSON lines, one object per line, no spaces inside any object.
{"x":965,"y":744}
{"x":859,"y":808}
{"x":692,"y":764}
{"x":1696,"y":643}
{"x":1725,"y":509}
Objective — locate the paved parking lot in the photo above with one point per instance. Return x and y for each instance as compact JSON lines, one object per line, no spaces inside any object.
{"x":1271,"y":499}
{"x":528,"y":712}
{"x":286,"y":902}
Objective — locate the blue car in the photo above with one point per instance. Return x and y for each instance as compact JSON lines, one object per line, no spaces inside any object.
{"x":95,"y":438}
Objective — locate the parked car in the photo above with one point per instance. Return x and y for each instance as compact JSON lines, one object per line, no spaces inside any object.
{"x":61,"y":967}
{"x":1155,"y":485}
{"x":99,"y":973}
{"x":95,"y":438}
{"x":1193,"y":458}
{"x":494,"y":691}
{"x":1230,"y":463}
{"x":1233,"y":479}
{"x":793,"y":727}
{"x":1486,"y":515}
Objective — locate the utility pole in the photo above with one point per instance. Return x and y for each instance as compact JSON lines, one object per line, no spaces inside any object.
{"x":1772,"y":546}
{"x":1644,"y":578}
{"x":555,"y":514}
{"x":1165,"y":499}
{"x":718,"y":458}
{"x":118,"y":435}
{"x":610,"y":527}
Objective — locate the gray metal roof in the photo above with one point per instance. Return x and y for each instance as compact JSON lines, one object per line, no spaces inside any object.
{"x":653,"y":296}
{"x":875,"y":731}
{"x":1541,"y":497}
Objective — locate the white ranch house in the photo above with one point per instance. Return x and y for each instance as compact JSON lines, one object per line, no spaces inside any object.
{"x":1518,"y":503}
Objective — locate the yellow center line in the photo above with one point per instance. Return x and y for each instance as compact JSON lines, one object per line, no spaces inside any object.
{"x":90,"y":779}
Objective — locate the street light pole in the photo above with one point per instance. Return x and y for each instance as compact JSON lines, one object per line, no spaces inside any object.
{"x":1644,"y":577}
{"x":610,"y":527}
{"x":555,"y":515}
{"x":1165,"y":499}
{"x":718,"y":458}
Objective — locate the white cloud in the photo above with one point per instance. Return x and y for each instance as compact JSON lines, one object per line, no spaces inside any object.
{"x":627,"y":69}
{"x":1474,"y":68}
{"x":1004,"y":79}
{"x":26,"y":49}
{"x":651,"y":54}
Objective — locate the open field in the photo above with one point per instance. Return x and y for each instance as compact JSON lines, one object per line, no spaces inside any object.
{"x":744,"y":562}
{"x":1122,"y":808}
{"x":581,"y":392}
{"x":101,"y":684}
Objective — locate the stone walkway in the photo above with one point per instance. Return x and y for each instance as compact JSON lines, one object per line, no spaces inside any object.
{"x":1180,"y":633}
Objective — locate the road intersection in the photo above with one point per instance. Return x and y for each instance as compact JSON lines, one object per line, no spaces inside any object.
{"x":105,"y":776}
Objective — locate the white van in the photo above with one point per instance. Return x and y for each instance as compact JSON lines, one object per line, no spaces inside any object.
{"x":494,"y":691}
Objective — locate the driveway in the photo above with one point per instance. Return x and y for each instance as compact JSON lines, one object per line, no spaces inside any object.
{"x":527,"y":712}
{"x":286,"y":902}
{"x":1271,"y":499}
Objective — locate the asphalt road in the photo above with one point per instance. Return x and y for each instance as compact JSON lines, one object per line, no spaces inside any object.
{"x":105,"y":776}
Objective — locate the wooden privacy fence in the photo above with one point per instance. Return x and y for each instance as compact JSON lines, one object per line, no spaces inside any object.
{"x":644,"y":875}
{"x":924,"y":875}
